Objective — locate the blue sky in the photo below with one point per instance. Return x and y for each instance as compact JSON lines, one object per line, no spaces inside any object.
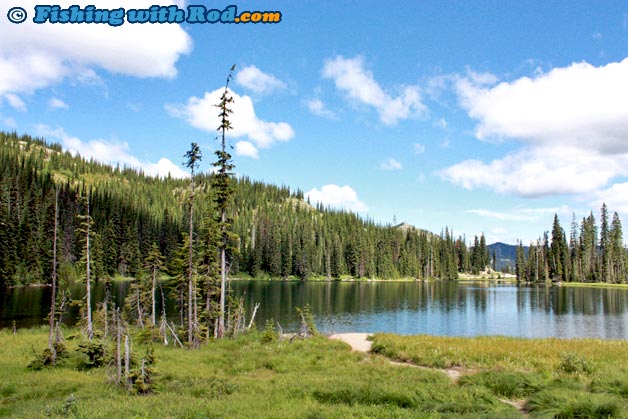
{"x":480,"y":116}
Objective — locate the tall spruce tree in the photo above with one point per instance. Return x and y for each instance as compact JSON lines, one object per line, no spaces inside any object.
{"x":52,"y":339}
{"x":193,"y":156}
{"x":223,"y":192}
{"x":618,"y":251}
{"x":557,"y":262}
{"x":605,"y":245}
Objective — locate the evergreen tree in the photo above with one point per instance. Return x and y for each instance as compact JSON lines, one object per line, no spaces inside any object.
{"x":224,"y":193}
{"x":193,"y":157}
{"x":605,"y":246}
{"x":520,"y":264}
{"x":559,"y":252}
{"x":618,"y":251}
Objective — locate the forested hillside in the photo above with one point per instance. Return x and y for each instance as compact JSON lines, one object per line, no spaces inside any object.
{"x":276,"y":232}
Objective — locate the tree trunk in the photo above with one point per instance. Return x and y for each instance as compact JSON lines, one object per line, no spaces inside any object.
{"x":118,"y":344}
{"x":223,"y":281}
{"x":153,"y":316}
{"x":88,"y":296}
{"x":127,"y":361}
{"x":53,"y":303}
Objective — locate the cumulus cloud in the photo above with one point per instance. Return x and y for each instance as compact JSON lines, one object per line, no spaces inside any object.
{"x":418,"y":148}
{"x":539,"y":172}
{"x":351,"y":77}
{"x":317,"y":107}
{"x":337,"y":196}
{"x":15,"y":102}
{"x":111,"y":152}
{"x":255,"y":80}
{"x":580,"y":105}
{"x":571,"y":122}
{"x":56,"y":103}
{"x":202,"y":113}
{"x":391,"y":164}
{"x":35,"y":56}
{"x":615,"y":197}
{"x":246,"y":148}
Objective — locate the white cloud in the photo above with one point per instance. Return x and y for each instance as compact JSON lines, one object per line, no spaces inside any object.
{"x":572,"y":123}
{"x":56,"y":103}
{"x":203,"y":114}
{"x":580,"y":105}
{"x":350,"y":77}
{"x":15,"y":102}
{"x":254,"y":79}
{"x":539,"y":172}
{"x":562,"y":210}
{"x":111,"y":152}
{"x":481,"y":79}
{"x":418,"y":148}
{"x":391,"y":164}
{"x":317,"y":107}
{"x":337,"y":196}
{"x":615,"y":197}
{"x":33,"y":56}
{"x":163,"y":168}
{"x":503,"y":216}
{"x":245,"y":148}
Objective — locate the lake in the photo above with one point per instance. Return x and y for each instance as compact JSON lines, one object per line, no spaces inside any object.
{"x":439,"y":308}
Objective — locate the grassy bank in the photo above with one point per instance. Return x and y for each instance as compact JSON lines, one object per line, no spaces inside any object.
{"x":591,"y":285}
{"x":319,"y":378}
{"x":583,"y":378}
{"x":242,"y":378}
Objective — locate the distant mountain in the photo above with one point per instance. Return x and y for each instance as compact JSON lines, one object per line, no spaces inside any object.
{"x":505,"y":255}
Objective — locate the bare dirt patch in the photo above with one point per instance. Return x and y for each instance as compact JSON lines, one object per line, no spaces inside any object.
{"x":357,"y":341}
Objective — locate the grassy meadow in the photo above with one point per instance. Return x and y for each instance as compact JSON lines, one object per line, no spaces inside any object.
{"x":551,"y":378}
{"x":248,"y":377}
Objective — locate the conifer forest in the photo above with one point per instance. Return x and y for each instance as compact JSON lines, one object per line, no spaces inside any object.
{"x":274,"y":232}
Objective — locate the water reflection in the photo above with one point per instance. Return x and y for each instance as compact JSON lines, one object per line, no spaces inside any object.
{"x":440,"y":308}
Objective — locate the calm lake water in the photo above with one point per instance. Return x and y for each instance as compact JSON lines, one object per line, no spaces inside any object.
{"x":439,"y":308}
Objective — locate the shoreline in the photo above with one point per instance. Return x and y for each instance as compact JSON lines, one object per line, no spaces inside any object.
{"x":507,"y":279}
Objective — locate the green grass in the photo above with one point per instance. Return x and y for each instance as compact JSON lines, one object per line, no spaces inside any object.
{"x":501,"y":352}
{"x":241,"y":378}
{"x":319,"y":378}
{"x":557,"y":379}
{"x":592,"y":285}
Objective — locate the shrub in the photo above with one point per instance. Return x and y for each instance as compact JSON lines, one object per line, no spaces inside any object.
{"x":46,"y":359}
{"x":572,"y":363}
{"x":93,"y":353}
{"x":269,"y":334}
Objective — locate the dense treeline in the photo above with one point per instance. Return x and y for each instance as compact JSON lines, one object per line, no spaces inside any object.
{"x":584,"y":255}
{"x":275,"y":231}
